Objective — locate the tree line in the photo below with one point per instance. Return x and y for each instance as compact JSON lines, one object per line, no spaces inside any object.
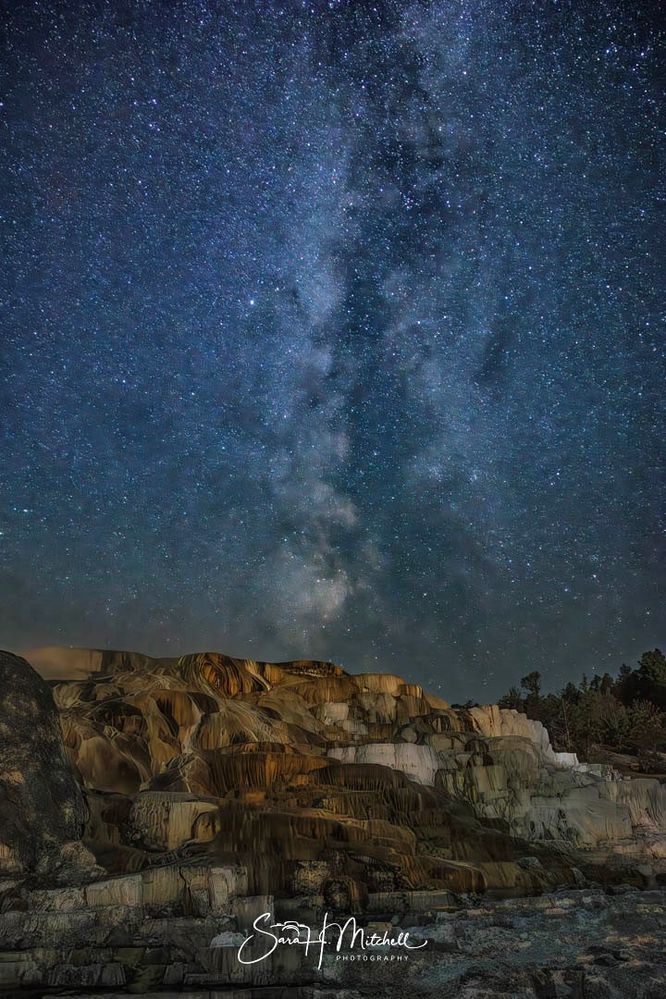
{"x":626,"y":713}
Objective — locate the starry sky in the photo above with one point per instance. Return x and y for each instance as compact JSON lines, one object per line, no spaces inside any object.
{"x":330,"y":329}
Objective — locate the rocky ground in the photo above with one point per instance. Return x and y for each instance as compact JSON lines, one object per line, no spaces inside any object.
{"x":585,"y":944}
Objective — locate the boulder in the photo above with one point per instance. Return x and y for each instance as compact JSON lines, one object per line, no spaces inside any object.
{"x":42,"y":808}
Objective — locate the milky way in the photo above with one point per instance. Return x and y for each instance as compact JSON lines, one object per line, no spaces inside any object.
{"x":330,"y":330}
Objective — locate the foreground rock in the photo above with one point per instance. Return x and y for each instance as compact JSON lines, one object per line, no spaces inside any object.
{"x":114,"y":941}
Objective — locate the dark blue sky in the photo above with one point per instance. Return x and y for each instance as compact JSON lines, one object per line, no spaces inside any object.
{"x":331,"y":329}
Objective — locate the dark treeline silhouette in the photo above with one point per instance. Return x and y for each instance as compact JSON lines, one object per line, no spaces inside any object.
{"x":626,"y":714}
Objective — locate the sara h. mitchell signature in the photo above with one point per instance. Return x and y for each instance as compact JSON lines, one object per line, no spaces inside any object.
{"x":294,"y":934}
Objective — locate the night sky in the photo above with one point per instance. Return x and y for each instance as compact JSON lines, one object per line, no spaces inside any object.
{"x":331,"y":330}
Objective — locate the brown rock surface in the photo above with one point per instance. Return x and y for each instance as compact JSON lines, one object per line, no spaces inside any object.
{"x":276,"y":765}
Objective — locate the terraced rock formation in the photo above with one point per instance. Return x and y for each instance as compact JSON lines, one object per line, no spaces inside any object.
{"x":364,"y":782}
{"x":177,"y":799}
